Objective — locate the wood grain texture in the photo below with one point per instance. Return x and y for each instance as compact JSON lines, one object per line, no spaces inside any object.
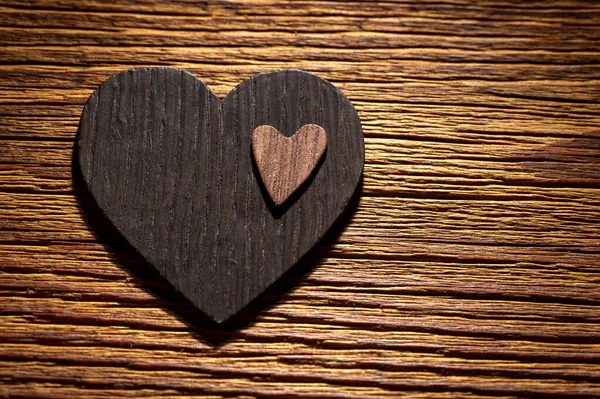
{"x":284,"y":163}
{"x":170,"y":165}
{"x":469,"y":269}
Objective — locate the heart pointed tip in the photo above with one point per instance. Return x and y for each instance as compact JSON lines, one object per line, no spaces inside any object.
{"x":218,"y":318}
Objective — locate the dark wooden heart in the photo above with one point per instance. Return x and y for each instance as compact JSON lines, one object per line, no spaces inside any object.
{"x":171,"y":166}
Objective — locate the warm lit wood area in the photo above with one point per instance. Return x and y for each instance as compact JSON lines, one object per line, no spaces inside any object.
{"x":469,"y":268}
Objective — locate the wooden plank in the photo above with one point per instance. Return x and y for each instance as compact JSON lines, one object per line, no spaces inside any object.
{"x":468,"y":268}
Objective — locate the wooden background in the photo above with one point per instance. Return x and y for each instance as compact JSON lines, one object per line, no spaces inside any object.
{"x":470,"y":267}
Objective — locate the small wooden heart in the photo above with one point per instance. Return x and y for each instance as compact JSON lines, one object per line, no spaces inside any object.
{"x":284,"y":163}
{"x":171,"y":166}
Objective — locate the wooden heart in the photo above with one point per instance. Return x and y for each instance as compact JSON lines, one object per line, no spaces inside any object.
{"x":284,"y":163}
{"x":171,"y":166}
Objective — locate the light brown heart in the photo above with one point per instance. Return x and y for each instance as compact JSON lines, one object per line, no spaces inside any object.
{"x":284,"y":163}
